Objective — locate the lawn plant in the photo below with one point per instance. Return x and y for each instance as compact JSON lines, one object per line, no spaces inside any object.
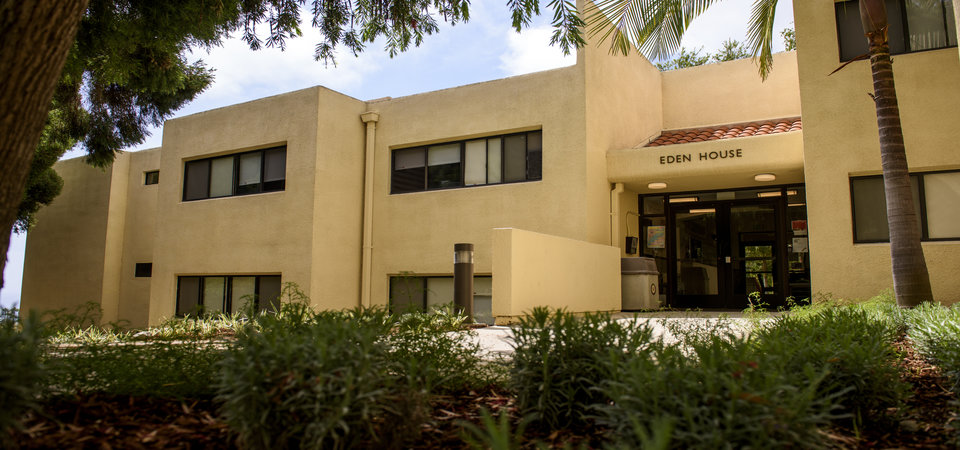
{"x":935,"y":332}
{"x":853,"y":346}
{"x":560,"y":359}
{"x":718,"y":392}
{"x":304,"y":379}
{"x":341,"y":379}
{"x":21,"y":371}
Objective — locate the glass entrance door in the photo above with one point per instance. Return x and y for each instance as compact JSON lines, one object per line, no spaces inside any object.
{"x":753,"y":244}
{"x":723,"y":252}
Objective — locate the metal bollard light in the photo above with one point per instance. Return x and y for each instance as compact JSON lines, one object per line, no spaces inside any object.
{"x":463,"y":280}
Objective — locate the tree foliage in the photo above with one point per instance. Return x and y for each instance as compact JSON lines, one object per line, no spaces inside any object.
{"x":655,"y":28}
{"x":789,"y":39}
{"x":730,"y":50}
{"x":128,"y":68}
{"x":686,"y":58}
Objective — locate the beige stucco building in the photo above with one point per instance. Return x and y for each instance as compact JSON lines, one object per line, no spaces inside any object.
{"x":553,"y":176}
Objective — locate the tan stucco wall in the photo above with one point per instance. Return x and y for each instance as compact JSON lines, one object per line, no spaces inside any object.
{"x":840,"y":139}
{"x":534,"y":269}
{"x":337,"y":202}
{"x":138,"y":236}
{"x":730,"y":92}
{"x":415,"y":232}
{"x":63,"y":266}
{"x":623,"y":104}
{"x":270,"y":233}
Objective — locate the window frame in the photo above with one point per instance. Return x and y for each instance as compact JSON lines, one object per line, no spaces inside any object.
{"x":148,"y":181}
{"x":280,"y":185}
{"x":904,"y":26}
{"x":462,"y":143}
{"x":921,"y":209}
{"x":227,"y":292}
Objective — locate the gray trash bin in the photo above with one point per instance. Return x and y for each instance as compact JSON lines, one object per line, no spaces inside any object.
{"x":639,"y":284}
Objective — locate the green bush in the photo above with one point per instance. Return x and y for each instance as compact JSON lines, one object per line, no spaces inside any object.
{"x":712,"y":393}
{"x":20,"y":368}
{"x":560,"y":359}
{"x":772,"y":388}
{"x":935,"y":333}
{"x":160,"y":369}
{"x":434,"y":356}
{"x":313,"y":380}
{"x":855,"y":348}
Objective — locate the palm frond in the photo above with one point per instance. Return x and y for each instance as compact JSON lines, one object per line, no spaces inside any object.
{"x":760,"y":34}
{"x":654,"y":27}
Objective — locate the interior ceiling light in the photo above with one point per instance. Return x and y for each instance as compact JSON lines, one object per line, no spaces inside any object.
{"x":768,"y":194}
{"x":684,"y":199}
{"x":764,"y":177}
{"x":796,"y":204}
{"x":791,"y":192}
{"x":657,"y":185}
{"x":703,"y":211}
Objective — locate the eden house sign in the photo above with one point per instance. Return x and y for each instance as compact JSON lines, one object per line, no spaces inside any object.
{"x":702,"y":156}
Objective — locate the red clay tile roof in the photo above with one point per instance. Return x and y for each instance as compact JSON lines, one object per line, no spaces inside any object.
{"x":727,"y":131}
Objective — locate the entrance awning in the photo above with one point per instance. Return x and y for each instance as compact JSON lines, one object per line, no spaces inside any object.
{"x":716,"y":157}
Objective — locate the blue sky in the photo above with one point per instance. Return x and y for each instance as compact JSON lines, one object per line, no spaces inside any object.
{"x":485,"y":48}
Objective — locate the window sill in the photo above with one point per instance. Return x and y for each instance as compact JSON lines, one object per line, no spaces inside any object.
{"x":258,"y":194}
{"x":477,"y":186}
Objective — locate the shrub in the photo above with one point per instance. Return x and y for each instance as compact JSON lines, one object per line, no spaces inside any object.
{"x":313,"y":380}
{"x":20,"y":369}
{"x":935,"y":333}
{"x":853,"y":345}
{"x":712,"y":393}
{"x":434,"y":356}
{"x":560,"y":359}
{"x":159,"y":369}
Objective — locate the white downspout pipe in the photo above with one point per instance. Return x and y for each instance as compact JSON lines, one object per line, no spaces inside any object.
{"x":615,"y":214}
{"x":366,"y":260}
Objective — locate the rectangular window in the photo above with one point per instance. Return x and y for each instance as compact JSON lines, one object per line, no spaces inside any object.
{"x":241,"y":174}
{"x":498,"y":159}
{"x":152,"y":177}
{"x":143,"y":270}
{"x":419,"y":294}
{"x":914,"y":25}
{"x":935,"y":195}
{"x":227,"y":294}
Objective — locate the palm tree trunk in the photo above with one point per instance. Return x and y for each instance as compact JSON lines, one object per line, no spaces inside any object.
{"x":33,"y":48}
{"x":911,"y":281}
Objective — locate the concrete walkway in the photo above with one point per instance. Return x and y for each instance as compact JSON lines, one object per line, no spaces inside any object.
{"x":497,"y":341}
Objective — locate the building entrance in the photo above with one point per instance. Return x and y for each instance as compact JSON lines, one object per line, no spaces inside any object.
{"x":725,"y":251}
{"x":715,"y":250}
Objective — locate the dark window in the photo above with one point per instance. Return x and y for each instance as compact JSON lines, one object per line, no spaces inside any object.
{"x":914,"y":25}
{"x":227,"y":294}
{"x":407,"y":294}
{"x":241,"y":174}
{"x":498,"y":159}
{"x":935,"y":195}
{"x":418,"y":294}
{"x":152,"y":177}
{"x":143,"y":270}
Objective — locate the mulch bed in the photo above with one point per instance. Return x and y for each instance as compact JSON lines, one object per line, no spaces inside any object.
{"x":104,"y":422}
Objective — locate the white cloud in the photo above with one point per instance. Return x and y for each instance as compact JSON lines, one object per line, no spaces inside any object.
{"x":530,"y":51}
{"x":243,"y":74}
